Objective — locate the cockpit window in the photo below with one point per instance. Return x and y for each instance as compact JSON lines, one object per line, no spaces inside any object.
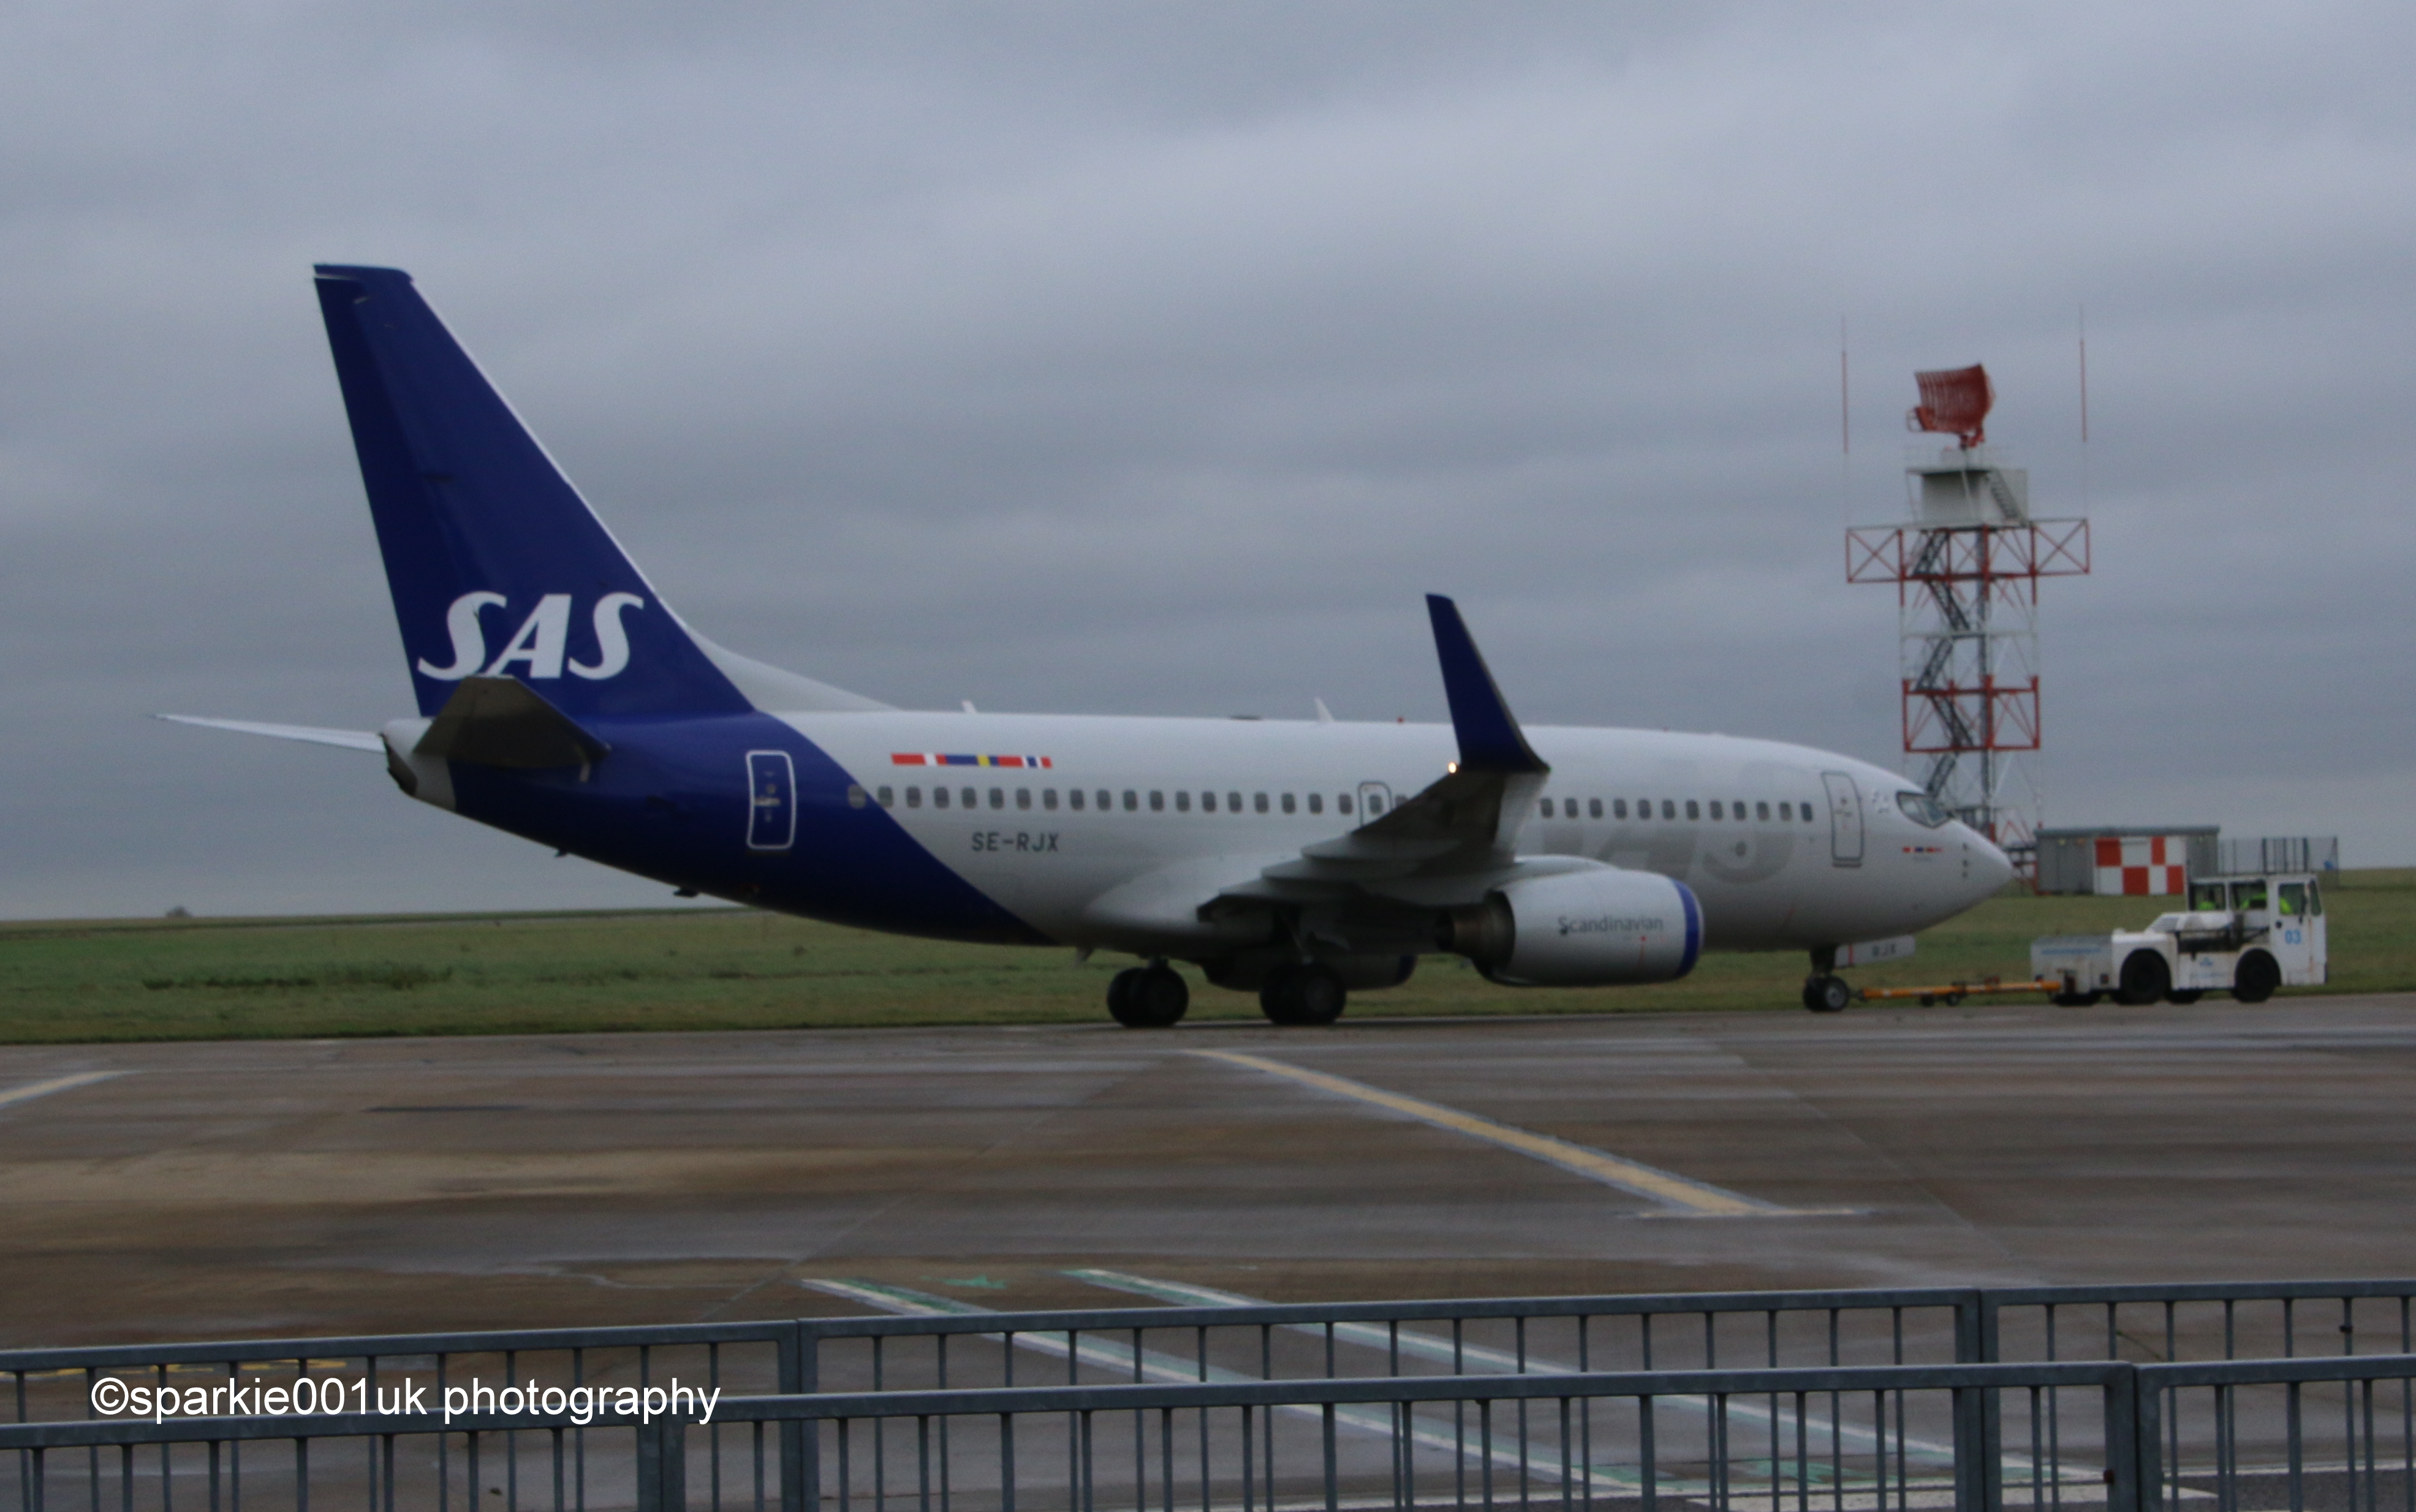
{"x":1921,"y":809}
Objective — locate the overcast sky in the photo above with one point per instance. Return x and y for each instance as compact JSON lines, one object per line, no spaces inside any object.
{"x":1158,"y":358}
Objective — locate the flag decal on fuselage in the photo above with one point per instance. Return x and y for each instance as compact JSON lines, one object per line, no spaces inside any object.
{"x":923,"y":758}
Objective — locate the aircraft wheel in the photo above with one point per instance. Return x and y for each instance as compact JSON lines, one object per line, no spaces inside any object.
{"x":1148,"y":997}
{"x":2145,"y":979}
{"x":2257,"y":977}
{"x":1825,"y":994}
{"x":2185,"y":997}
{"x":1302,"y":995}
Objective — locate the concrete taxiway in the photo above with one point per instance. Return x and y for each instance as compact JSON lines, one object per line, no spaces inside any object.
{"x":213,"y":1190}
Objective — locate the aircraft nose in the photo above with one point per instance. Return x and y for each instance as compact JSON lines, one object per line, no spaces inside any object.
{"x":1991,"y":869}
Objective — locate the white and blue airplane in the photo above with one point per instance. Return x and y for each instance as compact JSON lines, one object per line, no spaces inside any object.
{"x":561,"y":699}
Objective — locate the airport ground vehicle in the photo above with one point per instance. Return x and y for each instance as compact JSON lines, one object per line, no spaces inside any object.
{"x":2246,"y":935}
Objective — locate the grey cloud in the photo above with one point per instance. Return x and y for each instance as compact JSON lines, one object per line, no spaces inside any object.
{"x":1095,"y":358}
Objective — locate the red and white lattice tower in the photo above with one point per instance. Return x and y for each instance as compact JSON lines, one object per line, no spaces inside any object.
{"x":1966,"y":571}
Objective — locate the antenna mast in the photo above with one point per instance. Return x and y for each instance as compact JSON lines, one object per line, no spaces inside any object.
{"x":1966,"y":572}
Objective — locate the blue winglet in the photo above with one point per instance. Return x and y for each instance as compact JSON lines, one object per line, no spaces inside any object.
{"x":1490,"y":740}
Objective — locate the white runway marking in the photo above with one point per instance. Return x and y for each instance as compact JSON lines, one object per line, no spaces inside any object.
{"x":56,"y":1083}
{"x":1676,"y":1194}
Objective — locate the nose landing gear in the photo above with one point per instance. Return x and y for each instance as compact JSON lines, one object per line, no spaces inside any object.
{"x":1824,"y":991}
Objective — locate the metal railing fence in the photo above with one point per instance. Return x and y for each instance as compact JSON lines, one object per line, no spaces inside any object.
{"x":2334,"y":1432}
{"x":1412,"y":1347}
{"x":1554,"y":1336}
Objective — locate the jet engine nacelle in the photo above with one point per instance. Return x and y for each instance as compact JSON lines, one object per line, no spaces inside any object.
{"x":1601,"y":927}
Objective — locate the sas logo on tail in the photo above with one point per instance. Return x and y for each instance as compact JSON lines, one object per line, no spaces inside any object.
{"x":542,"y":641}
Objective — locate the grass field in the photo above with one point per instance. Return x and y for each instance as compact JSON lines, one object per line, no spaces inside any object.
{"x":541,"y":972}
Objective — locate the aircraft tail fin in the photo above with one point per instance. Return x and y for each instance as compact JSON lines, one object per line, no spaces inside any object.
{"x":497,"y":567}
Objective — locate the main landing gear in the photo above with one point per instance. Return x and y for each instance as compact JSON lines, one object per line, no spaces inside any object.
{"x":1302,"y":995}
{"x":1148,"y":997}
{"x":1824,"y":991}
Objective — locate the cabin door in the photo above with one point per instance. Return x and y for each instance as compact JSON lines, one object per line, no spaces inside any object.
{"x":1845,"y":819}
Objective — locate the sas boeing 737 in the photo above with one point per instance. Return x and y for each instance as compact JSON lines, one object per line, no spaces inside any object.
{"x":561,"y":700}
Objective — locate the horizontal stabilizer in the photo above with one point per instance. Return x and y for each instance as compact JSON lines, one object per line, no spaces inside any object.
{"x":501,"y":721}
{"x":312,"y":734}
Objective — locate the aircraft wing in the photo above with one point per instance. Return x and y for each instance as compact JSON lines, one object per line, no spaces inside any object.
{"x":349,"y":739}
{"x":1453,"y":841}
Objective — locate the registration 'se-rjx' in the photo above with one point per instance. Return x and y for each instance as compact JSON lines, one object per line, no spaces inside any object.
{"x":561,"y":699}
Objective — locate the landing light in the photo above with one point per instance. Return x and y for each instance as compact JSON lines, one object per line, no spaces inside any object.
{"x":1450,"y":767}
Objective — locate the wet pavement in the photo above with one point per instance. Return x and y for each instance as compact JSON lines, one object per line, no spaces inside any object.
{"x":217,"y":1190}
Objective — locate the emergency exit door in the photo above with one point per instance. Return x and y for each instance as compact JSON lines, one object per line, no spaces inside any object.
{"x":771,"y":801}
{"x":1845,"y":819}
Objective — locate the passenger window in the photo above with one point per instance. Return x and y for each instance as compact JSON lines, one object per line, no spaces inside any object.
{"x":1375,"y":804}
{"x":1074,"y":799}
{"x":1317,"y":803}
{"x":1233,"y":803}
{"x":1737,"y":808}
{"x":1547,"y":807}
{"x":1787,"y":811}
{"x":1182,"y":802}
{"x":939,"y":797}
{"x":888,"y":798}
{"x":1803,"y":812}
{"x":1022,"y":798}
{"x":971,"y":799}
{"x":1207,"y":803}
{"x":1342,"y":803}
{"x":1258,"y":802}
{"x":1048,"y":798}
{"x":1131,"y":802}
{"x":998,"y":797}
{"x":1669,"y":807}
{"x":1761,"y":811}
{"x":1287,"y":805}
{"x":1694,"y":809}
{"x":914,"y":797}
{"x":1618,"y":807}
{"x":1105,"y":805}
{"x":1594,"y":808}
{"x":1715,"y":809}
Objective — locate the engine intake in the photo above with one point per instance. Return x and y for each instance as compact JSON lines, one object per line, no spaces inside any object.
{"x":1602,"y":926}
